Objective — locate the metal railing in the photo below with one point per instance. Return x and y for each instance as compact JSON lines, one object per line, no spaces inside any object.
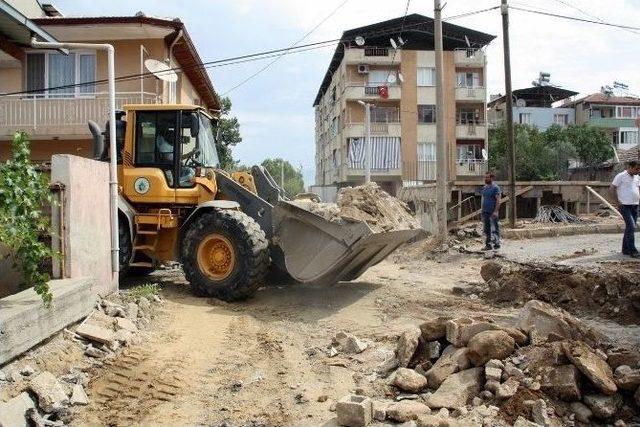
{"x":39,"y":111}
{"x":471,"y":167}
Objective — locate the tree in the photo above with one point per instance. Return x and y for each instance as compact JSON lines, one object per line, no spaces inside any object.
{"x":591,"y":143}
{"x":293,"y":182}
{"x":228,"y":136}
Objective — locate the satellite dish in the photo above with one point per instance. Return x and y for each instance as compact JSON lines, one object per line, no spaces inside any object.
{"x":521,"y":102}
{"x":466,"y":39}
{"x":391,"y":78}
{"x":400,"y":77}
{"x":484,"y":154}
{"x":360,"y":41}
{"x":400,"y":40}
{"x":393,"y":43}
{"x":161,"y":70}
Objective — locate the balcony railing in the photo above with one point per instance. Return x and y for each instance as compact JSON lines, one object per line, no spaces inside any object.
{"x":465,"y":93}
{"x":466,"y":167}
{"x":376,"y":51}
{"x":34,"y":112}
{"x":470,"y":129}
{"x":468,"y":57}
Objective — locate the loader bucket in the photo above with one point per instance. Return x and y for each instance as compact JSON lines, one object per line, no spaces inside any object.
{"x":323,"y":252}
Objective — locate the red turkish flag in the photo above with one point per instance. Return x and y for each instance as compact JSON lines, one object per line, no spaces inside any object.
{"x":383,"y":92}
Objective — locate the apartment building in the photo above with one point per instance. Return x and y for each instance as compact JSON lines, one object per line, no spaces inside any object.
{"x":533,"y":106}
{"x":399,"y":82}
{"x":56,"y":119}
{"x":616,"y":115}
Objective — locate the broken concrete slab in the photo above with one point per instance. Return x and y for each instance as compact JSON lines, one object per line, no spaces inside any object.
{"x":51,"y":394}
{"x":591,"y":365}
{"x":457,"y":389}
{"x":95,"y":333}
{"x":452,"y":360}
{"x":539,"y":413}
{"x":507,"y":389}
{"x":461,"y":330}
{"x":407,"y":345}
{"x":380,"y":410}
{"x":409,"y":380}
{"x":623,"y":357}
{"x":488,"y":345}
{"x":492,"y":374}
{"x":562,"y":382}
{"x":523,"y":422}
{"x":13,"y":412}
{"x":132,"y":311}
{"x":126,"y":324}
{"x":79,"y":396}
{"x":406,"y":410}
{"x":434,"y":329}
{"x":354,"y":411}
{"x":602,"y":406}
{"x":353,"y":345}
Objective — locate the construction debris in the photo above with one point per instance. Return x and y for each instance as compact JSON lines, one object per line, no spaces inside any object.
{"x":555,"y":214}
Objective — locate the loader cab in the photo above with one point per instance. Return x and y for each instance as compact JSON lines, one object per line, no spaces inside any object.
{"x":168,"y":154}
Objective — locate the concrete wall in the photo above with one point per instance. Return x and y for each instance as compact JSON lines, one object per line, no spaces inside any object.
{"x":542,"y":118}
{"x":86,"y":220}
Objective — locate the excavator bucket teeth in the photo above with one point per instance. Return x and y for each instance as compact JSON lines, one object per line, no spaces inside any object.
{"x":323,"y":252}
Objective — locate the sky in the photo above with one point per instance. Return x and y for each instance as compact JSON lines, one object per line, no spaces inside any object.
{"x":275,"y":108}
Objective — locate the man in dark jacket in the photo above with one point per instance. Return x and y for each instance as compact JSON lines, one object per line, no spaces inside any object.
{"x":490,"y":210}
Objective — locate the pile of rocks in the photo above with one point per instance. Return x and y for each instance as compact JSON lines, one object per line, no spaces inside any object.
{"x":47,"y":400}
{"x":548,"y":370}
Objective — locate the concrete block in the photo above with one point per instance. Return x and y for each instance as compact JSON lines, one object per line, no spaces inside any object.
{"x":126,"y":324}
{"x":12,"y":413}
{"x":95,"y":333}
{"x":461,"y":330}
{"x":354,"y":411}
{"x":25,"y":321}
{"x":50,"y":392}
{"x":86,"y":219}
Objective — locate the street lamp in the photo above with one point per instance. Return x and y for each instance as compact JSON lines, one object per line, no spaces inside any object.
{"x":367,"y":142}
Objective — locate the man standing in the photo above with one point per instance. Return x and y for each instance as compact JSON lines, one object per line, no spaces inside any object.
{"x":490,"y":209}
{"x":625,"y":189}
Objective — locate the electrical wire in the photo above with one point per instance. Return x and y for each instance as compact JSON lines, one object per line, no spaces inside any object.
{"x":463,"y":15}
{"x":563,"y":2}
{"x":326,"y":18}
{"x":573,"y":18}
{"x":404,"y":17}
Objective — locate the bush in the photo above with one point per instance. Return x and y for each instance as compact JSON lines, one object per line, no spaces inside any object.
{"x":23,"y":193}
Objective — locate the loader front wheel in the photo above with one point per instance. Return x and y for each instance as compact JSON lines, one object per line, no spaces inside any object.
{"x":225,"y":255}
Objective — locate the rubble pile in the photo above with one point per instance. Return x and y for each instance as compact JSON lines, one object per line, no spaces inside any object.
{"x":611,"y":295}
{"x":45,"y":399}
{"x":548,"y":370}
{"x":366,"y":203}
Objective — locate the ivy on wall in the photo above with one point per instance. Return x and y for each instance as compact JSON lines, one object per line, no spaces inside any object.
{"x":24,"y":191}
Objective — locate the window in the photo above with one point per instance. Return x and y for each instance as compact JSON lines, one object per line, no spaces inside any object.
{"x":561,"y":119}
{"x":426,"y":76}
{"x":155,"y":138}
{"x":334,"y":126}
{"x":629,"y":137}
{"x":627,"y":112}
{"x":426,"y":113}
{"x":469,"y":152}
{"x":385,"y":115}
{"x":52,"y":69}
{"x":525,"y":118}
{"x":333,"y":94}
{"x":379,"y":77}
{"x":468,"y":79}
{"x":468,"y":116}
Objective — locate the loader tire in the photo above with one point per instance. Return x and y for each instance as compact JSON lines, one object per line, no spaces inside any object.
{"x":225,"y":255}
{"x":126,"y":248}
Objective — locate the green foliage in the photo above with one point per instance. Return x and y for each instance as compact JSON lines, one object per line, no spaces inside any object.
{"x":293,"y":182}
{"x":545,"y":155}
{"x":23,"y":193}
{"x":147,"y":290}
{"x":229,"y":135}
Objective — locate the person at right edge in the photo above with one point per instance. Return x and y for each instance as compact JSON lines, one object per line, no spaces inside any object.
{"x":625,"y":189}
{"x":490,"y":211}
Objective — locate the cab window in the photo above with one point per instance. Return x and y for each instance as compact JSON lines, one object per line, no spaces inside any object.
{"x":155,"y":138}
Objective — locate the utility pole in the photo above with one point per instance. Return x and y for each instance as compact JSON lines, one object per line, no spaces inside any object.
{"x":367,"y":141}
{"x":504,"y":8}
{"x":441,"y":142}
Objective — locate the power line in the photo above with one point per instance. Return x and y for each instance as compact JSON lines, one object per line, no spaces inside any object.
{"x":586,"y":13}
{"x":573,"y":18}
{"x":293,"y":45}
{"x":404,"y":17}
{"x":462,"y":15}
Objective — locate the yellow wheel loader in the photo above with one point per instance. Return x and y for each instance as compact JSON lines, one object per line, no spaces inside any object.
{"x":176,"y":204}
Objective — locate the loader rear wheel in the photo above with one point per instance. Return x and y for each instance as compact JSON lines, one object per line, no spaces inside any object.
{"x":225,"y":255}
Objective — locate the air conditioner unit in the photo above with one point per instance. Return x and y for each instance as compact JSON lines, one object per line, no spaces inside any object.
{"x":363,"y":69}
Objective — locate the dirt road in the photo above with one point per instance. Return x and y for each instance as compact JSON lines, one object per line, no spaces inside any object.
{"x":264,"y":362}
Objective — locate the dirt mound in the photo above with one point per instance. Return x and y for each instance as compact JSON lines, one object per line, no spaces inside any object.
{"x":366,"y":203}
{"x":609,"y":293}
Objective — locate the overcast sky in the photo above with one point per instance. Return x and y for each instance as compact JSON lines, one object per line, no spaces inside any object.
{"x":275,"y":108}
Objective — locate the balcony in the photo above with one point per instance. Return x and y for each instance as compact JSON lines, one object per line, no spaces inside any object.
{"x":470,"y":58}
{"x":611,"y":122}
{"x":48,"y":117}
{"x":470,"y":94}
{"x":357,"y":130}
{"x":364,"y":92}
{"x":371,"y":56}
{"x":466,"y":167}
{"x":471,"y":130}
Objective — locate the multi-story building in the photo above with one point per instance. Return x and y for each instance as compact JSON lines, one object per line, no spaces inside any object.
{"x":533,"y":106}
{"x":400,"y":85}
{"x":56,"y":119}
{"x":616,"y":115}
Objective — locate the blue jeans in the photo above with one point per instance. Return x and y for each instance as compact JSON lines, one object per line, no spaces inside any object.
{"x":630,"y":215}
{"x":491,"y":229}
